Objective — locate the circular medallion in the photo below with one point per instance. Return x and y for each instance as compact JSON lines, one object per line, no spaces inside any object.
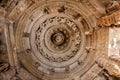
{"x":53,"y":37}
{"x":57,"y":41}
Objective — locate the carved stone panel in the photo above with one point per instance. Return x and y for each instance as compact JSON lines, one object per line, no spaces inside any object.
{"x":56,"y":39}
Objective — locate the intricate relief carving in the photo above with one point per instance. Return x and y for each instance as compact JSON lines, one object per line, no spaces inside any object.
{"x":112,"y":68}
{"x":113,"y":16}
{"x":52,"y":39}
{"x":113,"y":6}
{"x":112,"y":19}
{"x":92,"y":73}
{"x":93,"y":7}
{"x":18,"y":7}
{"x":59,"y":38}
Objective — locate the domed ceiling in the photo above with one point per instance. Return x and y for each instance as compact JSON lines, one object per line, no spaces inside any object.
{"x":59,"y":40}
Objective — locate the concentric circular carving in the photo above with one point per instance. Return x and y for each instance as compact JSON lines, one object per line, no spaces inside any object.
{"x":58,"y":38}
{"x":53,"y":37}
{"x":57,"y":41}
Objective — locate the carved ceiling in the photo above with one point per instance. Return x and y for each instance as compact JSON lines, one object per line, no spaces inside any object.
{"x":59,"y":40}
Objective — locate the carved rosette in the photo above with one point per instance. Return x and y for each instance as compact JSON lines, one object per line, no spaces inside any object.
{"x":55,"y":40}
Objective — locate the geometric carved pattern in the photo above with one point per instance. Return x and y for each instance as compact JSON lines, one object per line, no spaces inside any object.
{"x":60,"y":40}
{"x":55,"y":40}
